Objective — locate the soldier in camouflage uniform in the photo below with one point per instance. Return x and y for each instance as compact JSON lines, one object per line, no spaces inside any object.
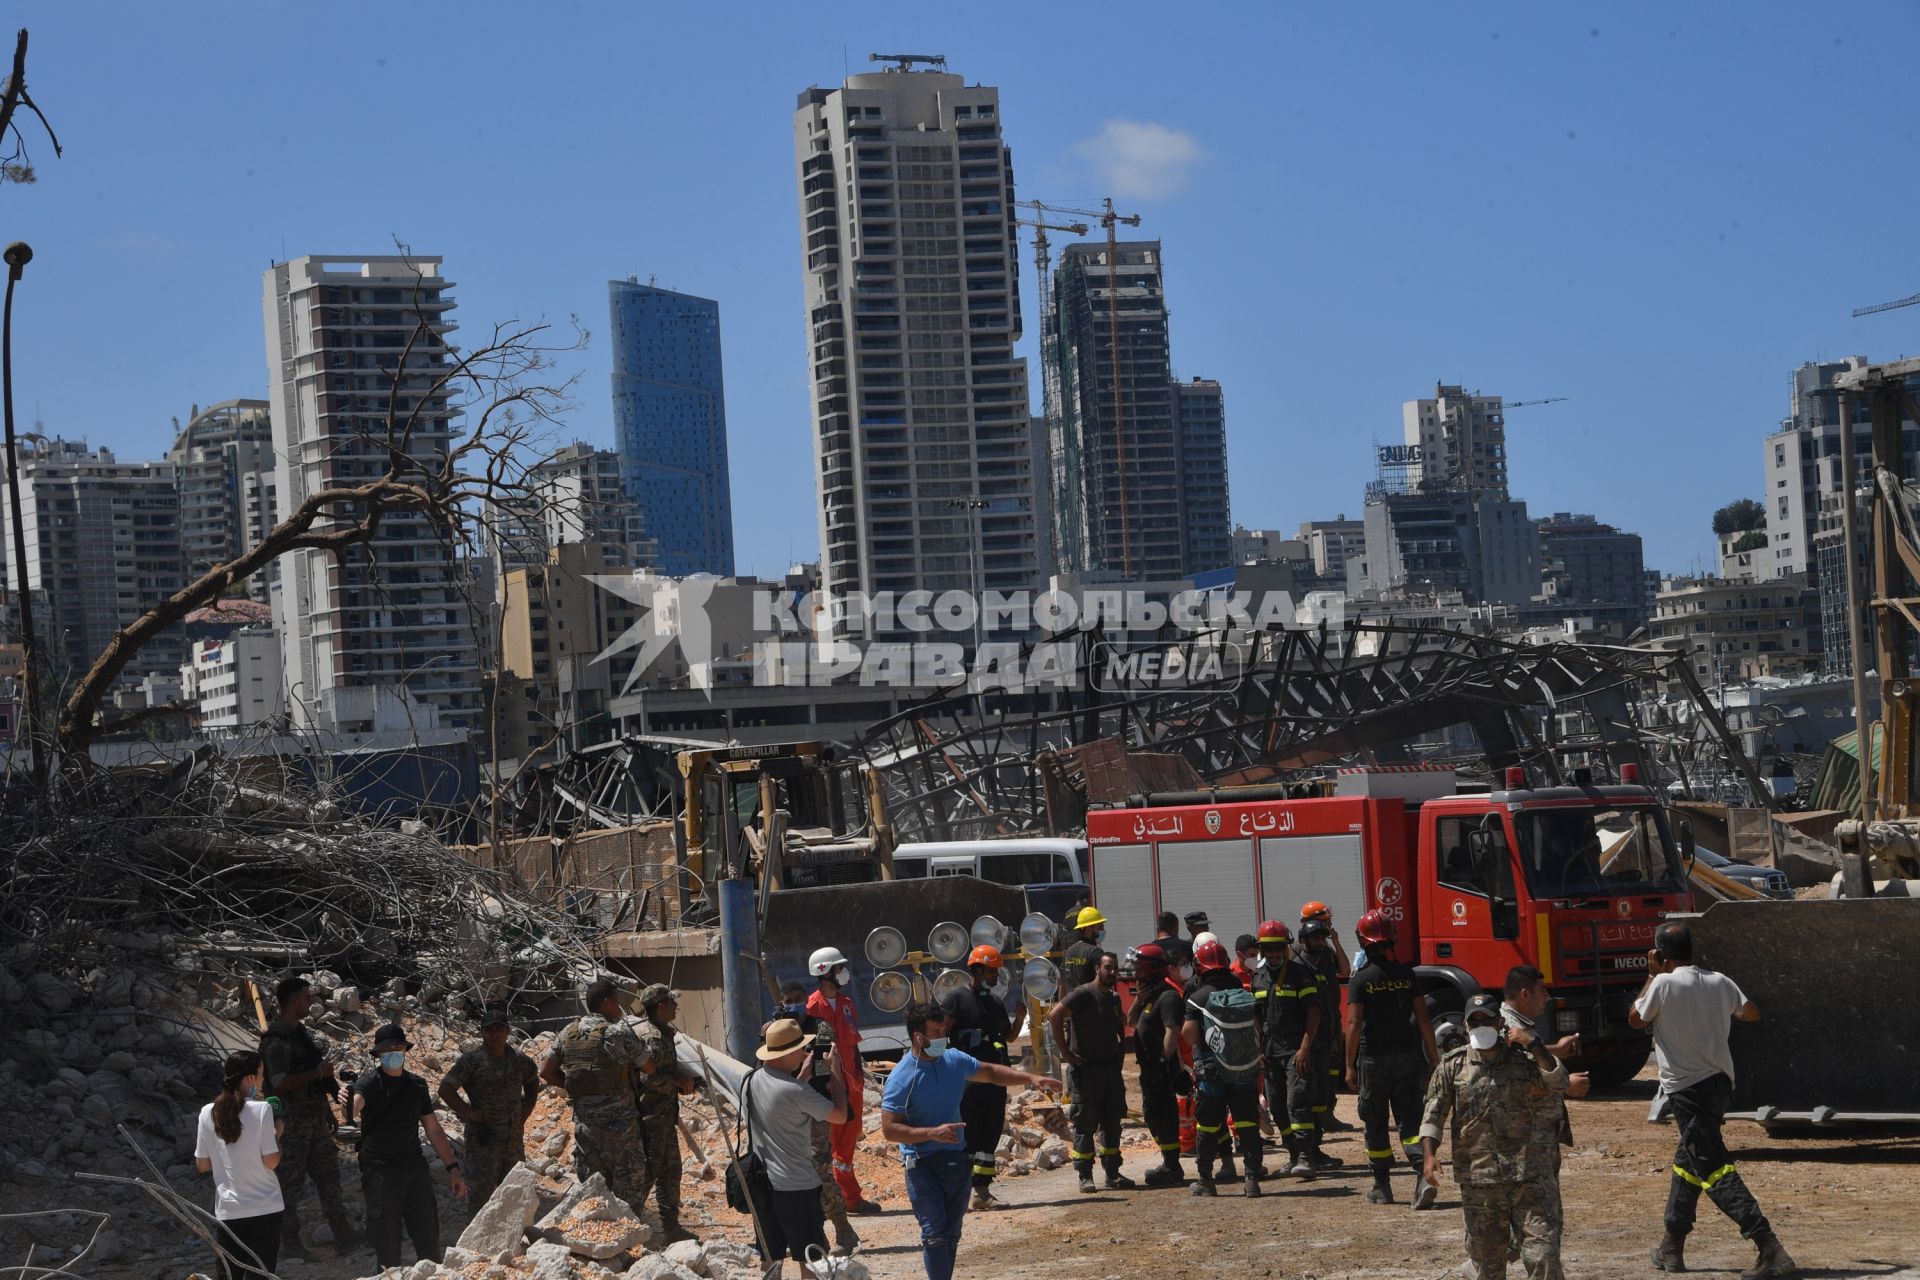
{"x":1493,"y":1091}
{"x":658,"y":1083}
{"x":501,"y":1087}
{"x":301,"y":1077}
{"x":593,"y":1060}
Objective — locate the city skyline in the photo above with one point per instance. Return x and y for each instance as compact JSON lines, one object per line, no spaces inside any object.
{"x":1635,"y":252}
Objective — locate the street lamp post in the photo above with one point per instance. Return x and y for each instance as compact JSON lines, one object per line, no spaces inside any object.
{"x":973,"y":506}
{"x":17,"y":256}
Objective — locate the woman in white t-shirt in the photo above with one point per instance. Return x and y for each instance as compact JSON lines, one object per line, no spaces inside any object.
{"x":239,"y":1145}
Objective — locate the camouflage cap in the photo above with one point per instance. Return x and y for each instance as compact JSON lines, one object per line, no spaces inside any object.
{"x":655,"y":992}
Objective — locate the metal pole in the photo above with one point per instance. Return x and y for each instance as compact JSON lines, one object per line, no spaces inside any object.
{"x":740,"y":966}
{"x":1850,"y":535}
{"x":17,"y":256}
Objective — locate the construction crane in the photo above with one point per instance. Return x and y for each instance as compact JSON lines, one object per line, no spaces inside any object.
{"x":1043,"y":250}
{"x":1112,"y":221}
{"x":1878,"y":307}
{"x":1521,"y":404}
{"x":906,"y":60}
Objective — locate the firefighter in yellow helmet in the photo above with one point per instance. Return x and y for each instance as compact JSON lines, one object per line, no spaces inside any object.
{"x":1083,"y":957}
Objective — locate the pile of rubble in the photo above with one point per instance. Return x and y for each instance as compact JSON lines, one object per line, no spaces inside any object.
{"x":588,"y":1233}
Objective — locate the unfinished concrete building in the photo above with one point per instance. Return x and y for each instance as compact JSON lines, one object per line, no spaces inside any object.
{"x":1139,"y":470}
{"x":224,"y":456}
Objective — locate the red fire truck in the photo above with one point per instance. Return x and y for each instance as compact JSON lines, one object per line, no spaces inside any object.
{"x":1572,"y":879}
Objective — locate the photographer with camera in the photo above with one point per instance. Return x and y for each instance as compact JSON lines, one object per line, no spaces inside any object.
{"x":1690,"y":1009}
{"x":781,"y":1110}
{"x":793,"y":1004}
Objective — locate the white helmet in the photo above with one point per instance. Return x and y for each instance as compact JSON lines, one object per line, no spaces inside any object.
{"x":825,"y":961}
{"x":1201,"y":938}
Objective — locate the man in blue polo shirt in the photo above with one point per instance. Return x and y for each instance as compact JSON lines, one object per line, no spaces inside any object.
{"x":921,"y":1111}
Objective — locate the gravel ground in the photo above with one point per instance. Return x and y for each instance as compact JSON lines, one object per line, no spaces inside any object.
{"x":1842,"y":1206}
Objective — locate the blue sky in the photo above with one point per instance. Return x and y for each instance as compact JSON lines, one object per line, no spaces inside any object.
{"x":1653,"y":210}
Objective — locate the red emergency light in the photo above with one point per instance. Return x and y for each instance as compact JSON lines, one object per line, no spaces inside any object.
{"x":1630,"y":775}
{"x":1516,"y":778}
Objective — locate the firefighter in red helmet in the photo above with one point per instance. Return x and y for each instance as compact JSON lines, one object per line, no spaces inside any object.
{"x":1158,"y":1011}
{"x":1390,"y":1049}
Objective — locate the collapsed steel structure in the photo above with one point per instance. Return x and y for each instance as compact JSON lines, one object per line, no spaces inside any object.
{"x":989,"y":762}
{"x":977,"y":761}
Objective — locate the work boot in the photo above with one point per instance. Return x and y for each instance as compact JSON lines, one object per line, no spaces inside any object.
{"x":1302,"y":1167}
{"x":1086,"y":1184}
{"x":1118,"y":1181}
{"x":984,"y":1200}
{"x":671,"y":1232}
{"x":1380,"y":1193}
{"x":1670,"y":1253}
{"x":1334,"y":1124}
{"x":1773,"y":1261}
{"x":1321,"y":1160}
{"x":1424,"y":1192}
{"x":845,"y":1238}
{"x":1227,"y":1172}
{"x":863,"y":1207}
{"x":1203,"y":1187}
{"x":1168,"y":1174}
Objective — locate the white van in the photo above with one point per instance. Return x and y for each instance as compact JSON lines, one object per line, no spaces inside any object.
{"x":1009,"y":862}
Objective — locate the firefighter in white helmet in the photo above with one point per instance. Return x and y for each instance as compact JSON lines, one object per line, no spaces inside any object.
{"x":831,"y":1004}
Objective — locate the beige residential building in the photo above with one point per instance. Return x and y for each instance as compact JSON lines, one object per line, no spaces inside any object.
{"x":1738,"y":630}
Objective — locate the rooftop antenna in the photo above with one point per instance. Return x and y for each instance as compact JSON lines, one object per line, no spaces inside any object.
{"x":906,"y":60}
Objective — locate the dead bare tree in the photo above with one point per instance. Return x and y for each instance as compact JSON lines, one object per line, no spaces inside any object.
{"x":505,"y":392}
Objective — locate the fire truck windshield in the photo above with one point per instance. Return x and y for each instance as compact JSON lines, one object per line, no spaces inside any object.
{"x":1590,"y":853}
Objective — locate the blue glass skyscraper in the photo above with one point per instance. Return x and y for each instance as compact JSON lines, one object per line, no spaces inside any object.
{"x":670,"y":423}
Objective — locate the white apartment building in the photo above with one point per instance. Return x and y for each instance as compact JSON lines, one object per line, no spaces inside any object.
{"x":224,"y":457}
{"x":1462,"y":439}
{"x":103,"y":546}
{"x":924,"y":462}
{"x":235,"y":682}
{"x":356,"y":639}
{"x":1330,"y":542}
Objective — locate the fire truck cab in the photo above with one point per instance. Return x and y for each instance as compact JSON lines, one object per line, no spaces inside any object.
{"x":1572,"y":880}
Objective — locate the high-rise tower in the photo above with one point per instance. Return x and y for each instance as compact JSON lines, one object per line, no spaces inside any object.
{"x":920,"y":408}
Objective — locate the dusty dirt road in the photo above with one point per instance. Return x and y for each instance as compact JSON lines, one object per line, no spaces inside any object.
{"x":1845,"y":1207}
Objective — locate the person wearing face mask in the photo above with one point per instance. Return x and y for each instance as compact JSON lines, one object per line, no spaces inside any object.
{"x":501,"y":1086}
{"x":237,"y":1143}
{"x":392,"y":1107}
{"x":1288,"y":993}
{"x":592,"y":1059}
{"x":1089,"y":1028}
{"x":820,"y":1077}
{"x":1246,"y":959}
{"x":1083,"y":957}
{"x":831,"y":1004}
{"x":920,"y":1110}
{"x":1490,"y":1091}
{"x":983,"y":1028}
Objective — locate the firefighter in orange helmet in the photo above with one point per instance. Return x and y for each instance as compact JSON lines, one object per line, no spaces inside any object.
{"x":982,"y":1027}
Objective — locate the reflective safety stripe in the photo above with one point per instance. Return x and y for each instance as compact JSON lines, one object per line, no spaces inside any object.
{"x":1299,"y":1128}
{"x":1245,"y":1124}
{"x":1109,"y":1151}
{"x":1409,"y":1142}
{"x":1309,"y":991}
{"x":1320,"y":1109}
{"x":1083,"y":1155}
{"x":1261,"y":994}
{"x":1209,"y":1128}
{"x":983,"y":1170}
{"x":1169,"y":1147}
{"x":1379,"y":1155}
{"x":841,"y":1164}
{"x":1334,"y":1072}
{"x":1704,"y":1184}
